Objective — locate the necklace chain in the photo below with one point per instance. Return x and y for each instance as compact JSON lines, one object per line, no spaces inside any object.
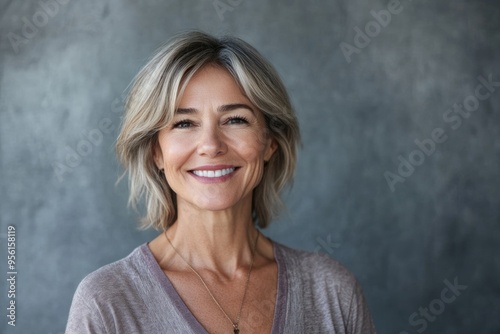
{"x":234,"y":324}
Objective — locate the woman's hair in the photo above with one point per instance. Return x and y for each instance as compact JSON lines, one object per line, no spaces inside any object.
{"x":154,"y":97}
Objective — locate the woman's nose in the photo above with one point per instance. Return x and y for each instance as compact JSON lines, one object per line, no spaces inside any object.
{"x":211,"y":142}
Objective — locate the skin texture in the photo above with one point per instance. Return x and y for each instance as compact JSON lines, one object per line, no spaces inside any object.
{"x":216,"y":127}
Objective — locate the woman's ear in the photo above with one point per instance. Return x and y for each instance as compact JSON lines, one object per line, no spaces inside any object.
{"x":158,"y":156}
{"x":272,"y":146}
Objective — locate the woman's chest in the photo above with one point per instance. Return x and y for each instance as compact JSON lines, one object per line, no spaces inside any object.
{"x":218,"y":305}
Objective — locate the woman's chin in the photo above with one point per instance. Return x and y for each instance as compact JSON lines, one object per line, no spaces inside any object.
{"x":210,"y":203}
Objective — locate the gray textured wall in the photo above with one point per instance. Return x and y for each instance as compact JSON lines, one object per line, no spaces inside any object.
{"x":63,"y":70}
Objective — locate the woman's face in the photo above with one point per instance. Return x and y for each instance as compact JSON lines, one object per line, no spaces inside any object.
{"x":214,"y":149}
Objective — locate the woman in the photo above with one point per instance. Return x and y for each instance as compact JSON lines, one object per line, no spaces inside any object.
{"x":209,"y":140}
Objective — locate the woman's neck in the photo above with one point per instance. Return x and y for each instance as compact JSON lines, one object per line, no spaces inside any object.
{"x":220,"y":241}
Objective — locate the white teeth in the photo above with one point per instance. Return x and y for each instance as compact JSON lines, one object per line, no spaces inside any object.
{"x":214,"y":173}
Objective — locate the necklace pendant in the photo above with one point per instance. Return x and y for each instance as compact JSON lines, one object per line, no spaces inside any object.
{"x":236,"y":331}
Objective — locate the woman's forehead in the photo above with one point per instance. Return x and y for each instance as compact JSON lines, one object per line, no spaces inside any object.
{"x":212,"y":87}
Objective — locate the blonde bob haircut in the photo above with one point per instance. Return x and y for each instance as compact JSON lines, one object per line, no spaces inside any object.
{"x":154,"y":97}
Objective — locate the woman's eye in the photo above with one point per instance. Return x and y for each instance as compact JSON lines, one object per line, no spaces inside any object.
{"x":237,"y":120}
{"x":182,"y":124}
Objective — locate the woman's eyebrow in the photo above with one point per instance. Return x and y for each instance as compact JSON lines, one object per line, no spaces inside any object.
{"x":234,"y":106}
{"x":184,"y":111}
{"x":222,"y":108}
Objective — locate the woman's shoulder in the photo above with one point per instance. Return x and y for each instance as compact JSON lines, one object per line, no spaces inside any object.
{"x":323,"y":293}
{"x":314,"y":266}
{"x":112,"y":299}
{"x":114,"y":277}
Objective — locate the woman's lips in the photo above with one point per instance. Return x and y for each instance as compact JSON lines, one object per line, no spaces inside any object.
{"x":213,"y":173}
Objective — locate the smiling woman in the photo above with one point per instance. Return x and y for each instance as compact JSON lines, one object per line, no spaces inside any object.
{"x":209,"y":139}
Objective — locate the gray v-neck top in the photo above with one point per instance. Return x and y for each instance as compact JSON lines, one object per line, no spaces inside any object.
{"x":315,"y":294}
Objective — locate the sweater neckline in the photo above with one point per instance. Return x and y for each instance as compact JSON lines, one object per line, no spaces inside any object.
{"x":280,"y":304}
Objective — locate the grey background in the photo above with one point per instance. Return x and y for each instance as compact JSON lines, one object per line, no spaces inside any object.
{"x":356,"y":118}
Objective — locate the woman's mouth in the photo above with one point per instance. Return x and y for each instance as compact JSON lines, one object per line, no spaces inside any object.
{"x":213,"y":173}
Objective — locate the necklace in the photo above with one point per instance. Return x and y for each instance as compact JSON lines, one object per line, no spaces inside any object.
{"x":234,"y":324}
